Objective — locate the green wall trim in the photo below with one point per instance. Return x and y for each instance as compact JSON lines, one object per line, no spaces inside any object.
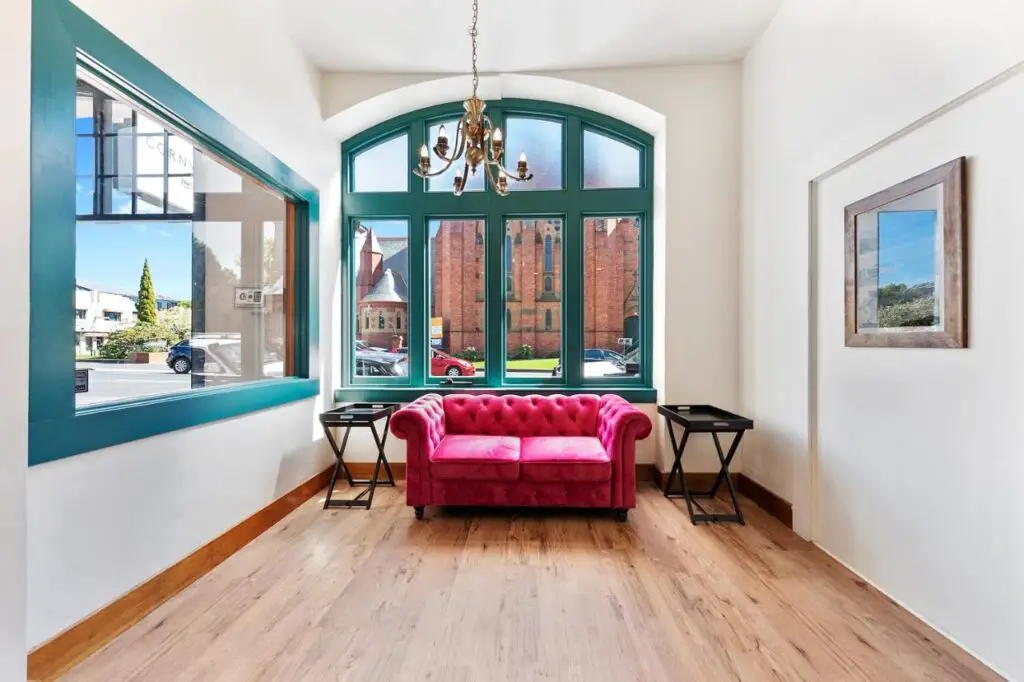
{"x":102,"y":427}
{"x":407,"y":395}
{"x":64,"y":36}
{"x":572,"y":204}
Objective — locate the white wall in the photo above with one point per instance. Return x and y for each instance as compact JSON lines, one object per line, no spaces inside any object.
{"x":898,"y":61}
{"x":931,"y":441}
{"x":693,"y":113}
{"x":15,"y":54}
{"x":900,"y":494}
{"x":100,"y":523}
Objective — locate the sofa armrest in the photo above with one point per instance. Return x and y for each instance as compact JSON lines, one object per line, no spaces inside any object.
{"x":421,"y":425}
{"x":619,"y":425}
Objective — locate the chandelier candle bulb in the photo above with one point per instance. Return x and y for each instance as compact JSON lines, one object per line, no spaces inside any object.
{"x":424,"y":159}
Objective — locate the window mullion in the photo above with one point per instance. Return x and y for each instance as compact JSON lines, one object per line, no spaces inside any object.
{"x":417,"y":324}
{"x":572,"y":285}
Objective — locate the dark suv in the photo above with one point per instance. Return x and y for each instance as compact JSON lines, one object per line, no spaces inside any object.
{"x":179,"y":357}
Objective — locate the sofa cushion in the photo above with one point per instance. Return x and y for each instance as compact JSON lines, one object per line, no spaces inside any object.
{"x":476,"y":458}
{"x":564,"y":459}
{"x":522,"y":416}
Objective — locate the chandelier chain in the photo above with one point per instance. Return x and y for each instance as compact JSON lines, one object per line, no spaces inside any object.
{"x":472,"y":35}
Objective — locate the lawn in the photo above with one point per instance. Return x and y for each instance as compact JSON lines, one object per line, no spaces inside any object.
{"x":534,"y":365}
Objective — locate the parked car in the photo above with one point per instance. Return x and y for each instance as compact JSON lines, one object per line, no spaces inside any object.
{"x":380,"y":364}
{"x":444,"y":365}
{"x":179,"y":357}
{"x":598,"y":362}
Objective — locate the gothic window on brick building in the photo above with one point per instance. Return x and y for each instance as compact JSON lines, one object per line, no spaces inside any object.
{"x":487,"y":276}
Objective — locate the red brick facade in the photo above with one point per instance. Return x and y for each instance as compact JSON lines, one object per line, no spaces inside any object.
{"x":532,"y":268}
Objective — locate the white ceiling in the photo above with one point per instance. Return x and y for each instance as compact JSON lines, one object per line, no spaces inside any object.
{"x":431,"y":36}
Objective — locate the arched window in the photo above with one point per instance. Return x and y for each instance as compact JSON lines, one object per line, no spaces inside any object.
{"x":590,"y":198}
{"x":380,"y":320}
{"x":398,"y":321}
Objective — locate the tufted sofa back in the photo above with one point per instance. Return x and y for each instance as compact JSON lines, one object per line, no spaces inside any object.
{"x":521,"y":416}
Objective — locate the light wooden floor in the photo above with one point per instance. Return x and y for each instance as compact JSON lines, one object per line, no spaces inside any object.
{"x":458,"y":597}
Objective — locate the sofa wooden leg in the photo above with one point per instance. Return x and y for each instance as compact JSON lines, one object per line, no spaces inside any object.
{"x":419,"y":512}
{"x":621,"y":515}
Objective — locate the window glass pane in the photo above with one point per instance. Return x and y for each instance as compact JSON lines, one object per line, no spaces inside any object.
{"x":611,"y":297}
{"x":169,"y":306}
{"x":85,"y":120}
{"x":383,"y":167}
{"x":380,"y":251}
{"x":541,"y":139}
{"x":609,"y":163}
{"x":533,"y":347}
{"x":444,"y":182}
{"x":456,"y":261}
{"x":134,"y":152}
{"x":117,"y":195}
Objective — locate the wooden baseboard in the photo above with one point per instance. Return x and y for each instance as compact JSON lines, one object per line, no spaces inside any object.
{"x":766,"y":499}
{"x":56,"y":656}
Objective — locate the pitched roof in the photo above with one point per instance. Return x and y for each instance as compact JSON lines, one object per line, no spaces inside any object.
{"x":390,"y":288}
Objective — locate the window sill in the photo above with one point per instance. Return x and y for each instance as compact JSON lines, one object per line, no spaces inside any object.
{"x":407,"y":394}
{"x":99,"y":427}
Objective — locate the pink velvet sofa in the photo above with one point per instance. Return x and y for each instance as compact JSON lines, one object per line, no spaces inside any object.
{"x":521,"y":451}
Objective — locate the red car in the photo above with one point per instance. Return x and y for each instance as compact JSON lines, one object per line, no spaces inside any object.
{"x":444,"y":365}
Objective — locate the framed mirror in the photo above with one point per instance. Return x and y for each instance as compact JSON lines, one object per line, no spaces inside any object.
{"x":905,"y":263}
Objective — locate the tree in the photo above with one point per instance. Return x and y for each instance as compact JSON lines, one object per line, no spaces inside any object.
{"x":145,"y":307}
{"x":142,"y":336}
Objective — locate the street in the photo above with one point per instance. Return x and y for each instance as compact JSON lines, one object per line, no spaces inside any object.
{"x":111,"y":382}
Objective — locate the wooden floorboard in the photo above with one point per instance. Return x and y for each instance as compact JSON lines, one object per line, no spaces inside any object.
{"x":496,"y":595}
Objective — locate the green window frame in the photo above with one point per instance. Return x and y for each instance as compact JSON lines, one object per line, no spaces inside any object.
{"x":571,"y":204}
{"x":64,"y":37}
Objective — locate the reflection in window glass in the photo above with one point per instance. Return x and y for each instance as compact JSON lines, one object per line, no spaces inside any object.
{"x":611,"y":297}
{"x":541,"y":140}
{"x":533,"y":346}
{"x":457,"y":343}
{"x":169,"y":303}
{"x":380,"y":251}
{"x":444,"y":182}
{"x":125,"y":157}
{"x":384,"y":167}
{"x":609,"y":163}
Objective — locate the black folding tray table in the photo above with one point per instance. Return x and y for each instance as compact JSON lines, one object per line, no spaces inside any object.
{"x":358,"y":415}
{"x":704,"y":419}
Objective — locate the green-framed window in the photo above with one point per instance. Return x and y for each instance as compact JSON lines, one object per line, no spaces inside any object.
{"x":133,"y":176}
{"x":547,"y":289}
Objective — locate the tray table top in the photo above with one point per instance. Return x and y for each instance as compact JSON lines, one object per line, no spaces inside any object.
{"x":357,"y":414}
{"x":705,"y":418}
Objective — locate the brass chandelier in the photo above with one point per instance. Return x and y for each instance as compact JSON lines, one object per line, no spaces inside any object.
{"x":477,"y":142}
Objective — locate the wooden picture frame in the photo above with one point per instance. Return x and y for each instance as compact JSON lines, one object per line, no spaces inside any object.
{"x":934,"y":198}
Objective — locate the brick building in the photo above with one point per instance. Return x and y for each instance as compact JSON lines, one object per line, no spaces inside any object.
{"x":532,"y":267}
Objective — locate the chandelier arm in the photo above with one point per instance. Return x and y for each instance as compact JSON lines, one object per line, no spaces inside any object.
{"x":492,"y":180}
{"x":457,"y":148}
{"x":509,"y":174}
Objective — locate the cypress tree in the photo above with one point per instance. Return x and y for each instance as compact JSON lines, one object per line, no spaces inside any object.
{"x":145,"y":308}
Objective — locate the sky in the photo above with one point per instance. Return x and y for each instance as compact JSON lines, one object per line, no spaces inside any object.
{"x":906,"y":247}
